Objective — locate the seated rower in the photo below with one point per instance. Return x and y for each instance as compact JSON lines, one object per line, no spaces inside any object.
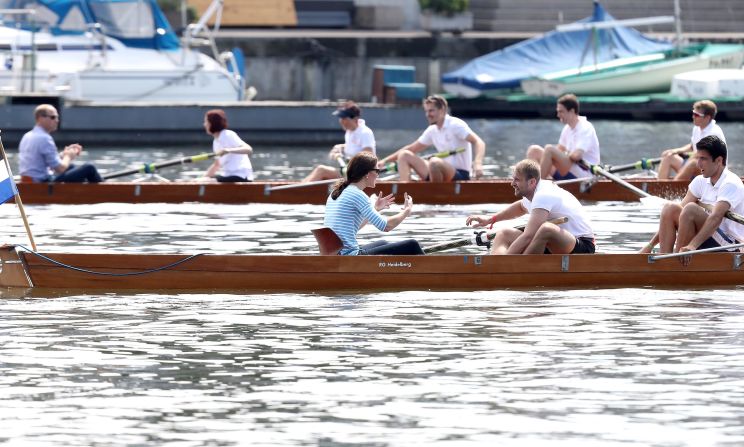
{"x":578,"y":141}
{"x":686,"y":226}
{"x":542,"y":200}
{"x":348,"y":209}
{"x":446,"y":133}
{"x":704,"y":124}
{"x":38,"y":156}
{"x":232,"y":152}
{"x":358,"y":138}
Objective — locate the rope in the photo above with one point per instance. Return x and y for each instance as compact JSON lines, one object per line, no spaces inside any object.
{"x":78,"y":269}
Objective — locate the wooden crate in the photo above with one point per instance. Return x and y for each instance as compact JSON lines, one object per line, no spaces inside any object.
{"x":253,"y":12}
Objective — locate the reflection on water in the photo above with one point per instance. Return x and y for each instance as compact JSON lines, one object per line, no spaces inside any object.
{"x":506,"y":140}
{"x":634,"y":367}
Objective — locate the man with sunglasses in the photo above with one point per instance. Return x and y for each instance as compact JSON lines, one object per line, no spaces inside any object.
{"x":39,"y":159}
{"x":704,"y":124}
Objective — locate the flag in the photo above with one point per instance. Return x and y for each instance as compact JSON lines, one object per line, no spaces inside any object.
{"x":7,"y":185}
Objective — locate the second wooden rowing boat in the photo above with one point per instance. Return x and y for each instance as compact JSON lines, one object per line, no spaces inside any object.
{"x":456,"y":193}
{"x":311,"y":273}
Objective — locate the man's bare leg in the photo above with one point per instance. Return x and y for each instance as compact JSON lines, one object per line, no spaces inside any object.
{"x":549,"y":235}
{"x":502,"y":241}
{"x":668,"y":224}
{"x":322,"y":172}
{"x":668,"y":164}
{"x":440,"y":171}
{"x":408,"y":161}
{"x":691,"y":220}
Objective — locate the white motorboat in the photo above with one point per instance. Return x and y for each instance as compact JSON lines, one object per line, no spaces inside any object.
{"x":111,"y":51}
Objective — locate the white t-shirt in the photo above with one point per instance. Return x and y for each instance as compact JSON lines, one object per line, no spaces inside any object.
{"x":582,"y":136}
{"x":729,"y":188}
{"x":233,"y":164}
{"x":711,"y":129}
{"x":560,"y":203}
{"x":450,"y":137}
{"x":358,"y":139}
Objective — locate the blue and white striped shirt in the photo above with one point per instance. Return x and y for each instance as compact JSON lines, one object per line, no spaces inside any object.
{"x":346,"y":214}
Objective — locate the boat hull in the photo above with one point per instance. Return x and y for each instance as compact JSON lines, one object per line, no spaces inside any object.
{"x":311,"y":273}
{"x":457,"y":193}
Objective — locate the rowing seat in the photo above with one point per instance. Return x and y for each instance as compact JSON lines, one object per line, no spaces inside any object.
{"x":328,"y":241}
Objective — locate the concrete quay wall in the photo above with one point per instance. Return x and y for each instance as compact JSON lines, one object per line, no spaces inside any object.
{"x":314,"y":65}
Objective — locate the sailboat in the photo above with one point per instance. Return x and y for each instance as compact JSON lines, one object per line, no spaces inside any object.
{"x":110,"y":51}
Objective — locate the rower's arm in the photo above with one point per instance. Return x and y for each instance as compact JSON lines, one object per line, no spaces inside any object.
{"x":510,"y":212}
{"x":678,"y":150}
{"x":479,"y":153}
{"x":212,"y":171}
{"x":394,"y":221}
{"x":414,"y":147}
{"x":245,"y":149}
{"x":538,"y":216}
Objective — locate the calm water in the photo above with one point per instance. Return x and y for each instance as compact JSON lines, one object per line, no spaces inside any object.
{"x":515,"y":368}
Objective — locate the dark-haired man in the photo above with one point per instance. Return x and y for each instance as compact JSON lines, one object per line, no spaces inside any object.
{"x":686,"y":226}
{"x":446,"y":133}
{"x":578,"y":141}
{"x":39,"y":159}
{"x":542,"y":200}
{"x":703,"y":114}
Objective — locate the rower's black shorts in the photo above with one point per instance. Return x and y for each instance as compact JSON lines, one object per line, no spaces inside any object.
{"x":230,"y":179}
{"x":584,"y":245}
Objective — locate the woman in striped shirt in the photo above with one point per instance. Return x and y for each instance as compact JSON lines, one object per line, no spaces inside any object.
{"x":348,"y":209}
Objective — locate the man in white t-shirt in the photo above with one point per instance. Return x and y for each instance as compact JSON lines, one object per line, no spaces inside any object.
{"x":686,"y":226}
{"x":578,"y":141}
{"x":542,"y":200}
{"x":703,"y":114}
{"x":447,"y":134}
{"x":358,"y":138}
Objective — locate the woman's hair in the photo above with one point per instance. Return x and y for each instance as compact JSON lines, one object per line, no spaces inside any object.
{"x":217,"y":120}
{"x":360,"y":165}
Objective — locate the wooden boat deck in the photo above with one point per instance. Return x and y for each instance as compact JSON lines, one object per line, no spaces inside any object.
{"x":457,"y":193}
{"x":311,"y":273}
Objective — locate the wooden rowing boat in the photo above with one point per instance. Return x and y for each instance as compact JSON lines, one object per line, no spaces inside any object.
{"x":310,"y":273}
{"x":457,"y":193}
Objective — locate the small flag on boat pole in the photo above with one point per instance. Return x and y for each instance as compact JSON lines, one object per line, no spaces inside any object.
{"x":7,"y":185}
{"x":8,"y":190}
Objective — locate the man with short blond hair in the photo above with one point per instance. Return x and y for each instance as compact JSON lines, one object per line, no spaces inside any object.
{"x":38,"y":156}
{"x":446,"y":133}
{"x":542,"y":200}
{"x":704,"y":124}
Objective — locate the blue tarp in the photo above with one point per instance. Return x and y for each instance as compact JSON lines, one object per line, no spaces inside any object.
{"x":126,"y":25}
{"x":553,"y":51}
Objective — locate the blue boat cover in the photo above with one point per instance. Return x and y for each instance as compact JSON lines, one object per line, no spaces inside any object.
{"x":553,"y":51}
{"x":136,"y":23}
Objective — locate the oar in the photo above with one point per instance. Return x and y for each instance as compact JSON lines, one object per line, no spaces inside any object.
{"x":643,"y":163}
{"x":389,"y":167}
{"x":393,"y":166}
{"x":738,"y":218}
{"x":477,"y":238}
{"x":653,"y":258}
{"x":599,"y":170}
{"x":151,"y":168}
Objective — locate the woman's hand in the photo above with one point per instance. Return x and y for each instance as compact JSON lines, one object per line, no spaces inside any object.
{"x":384,"y":202}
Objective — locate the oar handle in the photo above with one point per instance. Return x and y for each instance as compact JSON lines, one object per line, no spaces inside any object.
{"x":738,"y":218}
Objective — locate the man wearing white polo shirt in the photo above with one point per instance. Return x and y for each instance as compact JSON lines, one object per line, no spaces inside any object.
{"x":686,"y":226}
{"x":703,"y":114}
{"x":578,"y":141}
{"x":446,"y":133}
{"x":542,"y":200}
